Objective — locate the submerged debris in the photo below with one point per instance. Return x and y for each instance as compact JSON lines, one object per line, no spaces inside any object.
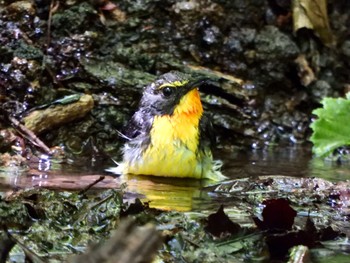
{"x":219,"y":224}
{"x":60,"y":222}
{"x":277,"y":215}
{"x":55,"y":225}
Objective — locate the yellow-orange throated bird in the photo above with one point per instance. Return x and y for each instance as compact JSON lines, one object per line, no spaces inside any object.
{"x":169,"y":135}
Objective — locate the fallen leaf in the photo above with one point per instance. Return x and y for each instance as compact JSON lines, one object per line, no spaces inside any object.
{"x":277,"y":215}
{"x":305,"y":72}
{"x":134,"y":208}
{"x":312,"y":14}
{"x":220,"y":224}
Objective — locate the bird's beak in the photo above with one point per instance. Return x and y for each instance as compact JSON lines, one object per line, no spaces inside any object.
{"x":197,"y":83}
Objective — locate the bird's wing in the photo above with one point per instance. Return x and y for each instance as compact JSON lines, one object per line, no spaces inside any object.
{"x":207,"y":137}
{"x":139,"y":125}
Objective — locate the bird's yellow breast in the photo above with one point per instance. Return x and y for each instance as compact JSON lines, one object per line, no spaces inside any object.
{"x":174,"y":142}
{"x":180,"y":127}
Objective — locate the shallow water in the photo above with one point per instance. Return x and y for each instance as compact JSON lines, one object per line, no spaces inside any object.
{"x":170,"y":193}
{"x":287,"y":161}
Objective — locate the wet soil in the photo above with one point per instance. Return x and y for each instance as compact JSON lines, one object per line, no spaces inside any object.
{"x":267,"y":78}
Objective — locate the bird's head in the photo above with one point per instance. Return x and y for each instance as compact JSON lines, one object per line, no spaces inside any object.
{"x":171,"y":93}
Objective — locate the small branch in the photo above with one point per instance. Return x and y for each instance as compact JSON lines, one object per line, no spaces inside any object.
{"x":102,"y":177}
{"x":30,"y":135}
{"x":101,"y":202}
{"x":53,"y":8}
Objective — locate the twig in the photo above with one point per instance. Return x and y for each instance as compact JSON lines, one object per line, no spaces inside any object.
{"x":52,"y":75}
{"x":30,"y":135}
{"x":53,"y":8}
{"x":101,"y":202}
{"x":192,"y":243}
{"x":102,"y":177}
{"x":83,"y":213}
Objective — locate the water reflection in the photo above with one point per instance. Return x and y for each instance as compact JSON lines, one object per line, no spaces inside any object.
{"x":176,"y":194}
{"x":329,"y":170}
{"x":289,"y":161}
{"x":168,"y":193}
{"x":162,"y":193}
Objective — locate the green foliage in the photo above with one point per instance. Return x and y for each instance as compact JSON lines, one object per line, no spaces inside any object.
{"x":57,"y":224}
{"x":331,"y":130}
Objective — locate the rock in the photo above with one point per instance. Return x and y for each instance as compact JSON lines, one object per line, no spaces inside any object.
{"x":39,"y":121}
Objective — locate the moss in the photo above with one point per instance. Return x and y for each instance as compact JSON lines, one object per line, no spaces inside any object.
{"x":27,"y":51}
{"x":74,"y":19}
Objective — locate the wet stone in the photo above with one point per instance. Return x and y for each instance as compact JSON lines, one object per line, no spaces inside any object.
{"x":321,"y":89}
{"x":272,"y":43}
{"x":345,"y":48}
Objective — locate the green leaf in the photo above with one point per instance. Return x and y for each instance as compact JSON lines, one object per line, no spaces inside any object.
{"x":331,"y":130}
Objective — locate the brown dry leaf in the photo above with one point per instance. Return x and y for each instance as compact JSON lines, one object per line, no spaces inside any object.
{"x":312,"y":14}
{"x":305,"y":72}
{"x":118,"y":15}
{"x":217,"y":74}
{"x":113,"y":12}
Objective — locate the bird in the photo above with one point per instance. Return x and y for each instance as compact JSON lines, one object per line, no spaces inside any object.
{"x":169,"y":135}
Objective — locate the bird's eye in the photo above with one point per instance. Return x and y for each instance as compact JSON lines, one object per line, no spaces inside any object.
{"x":167,"y":91}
